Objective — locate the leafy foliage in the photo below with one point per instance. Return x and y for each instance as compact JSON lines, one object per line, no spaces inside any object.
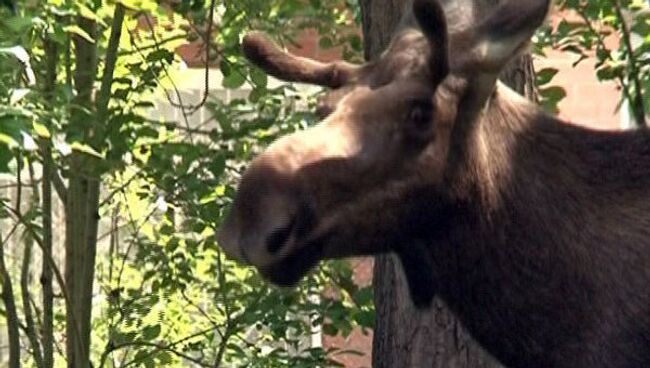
{"x":615,"y":33}
{"x":166,"y":294}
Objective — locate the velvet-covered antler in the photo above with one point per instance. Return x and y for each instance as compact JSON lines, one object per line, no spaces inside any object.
{"x":268,"y":56}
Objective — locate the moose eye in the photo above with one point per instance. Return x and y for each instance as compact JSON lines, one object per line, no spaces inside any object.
{"x":420,"y":117}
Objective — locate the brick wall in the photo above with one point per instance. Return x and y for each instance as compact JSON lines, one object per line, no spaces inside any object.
{"x":589,"y":102}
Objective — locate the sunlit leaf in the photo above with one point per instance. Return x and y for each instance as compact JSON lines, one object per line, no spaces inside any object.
{"x":78,"y":146}
{"x":41,"y":130}
{"x":76,"y":30}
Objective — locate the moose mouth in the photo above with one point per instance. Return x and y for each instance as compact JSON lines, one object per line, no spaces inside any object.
{"x":288,"y":270}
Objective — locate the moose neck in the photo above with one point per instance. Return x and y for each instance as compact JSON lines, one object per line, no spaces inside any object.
{"x":528,"y":251}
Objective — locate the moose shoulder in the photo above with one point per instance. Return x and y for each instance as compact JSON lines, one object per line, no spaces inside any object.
{"x":535,"y":232}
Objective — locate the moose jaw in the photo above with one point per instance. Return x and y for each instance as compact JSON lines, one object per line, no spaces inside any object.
{"x":535,"y":232}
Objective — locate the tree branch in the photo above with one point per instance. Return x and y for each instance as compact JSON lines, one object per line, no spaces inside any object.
{"x":637,"y":99}
{"x":11,"y":316}
{"x":10,"y":310}
{"x":104,"y":94}
{"x":57,"y":181}
{"x":168,"y":347}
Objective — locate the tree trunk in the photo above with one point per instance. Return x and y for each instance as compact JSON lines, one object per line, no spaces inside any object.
{"x":82,"y":202}
{"x":82,"y":198}
{"x":405,"y":336}
{"x":47,"y":329}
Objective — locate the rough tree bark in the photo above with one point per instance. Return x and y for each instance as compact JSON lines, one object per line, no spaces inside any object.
{"x":82,"y":198}
{"x":404,"y":336}
{"x":81,"y":209}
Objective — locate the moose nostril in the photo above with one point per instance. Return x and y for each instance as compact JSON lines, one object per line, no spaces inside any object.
{"x":278,"y":238}
{"x":301,"y":224}
{"x":304,"y":221}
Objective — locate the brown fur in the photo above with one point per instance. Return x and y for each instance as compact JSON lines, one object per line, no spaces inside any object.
{"x":541,"y":244}
{"x":535,"y":232}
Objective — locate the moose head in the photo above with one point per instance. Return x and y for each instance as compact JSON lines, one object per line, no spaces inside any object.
{"x":535,"y":232}
{"x":399,"y":121}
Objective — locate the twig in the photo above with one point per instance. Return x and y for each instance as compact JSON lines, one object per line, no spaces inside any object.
{"x":161,"y":42}
{"x":191,"y":109}
{"x":15,"y":185}
{"x":637,"y":99}
{"x":176,"y":90}
{"x":169,"y":347}
{"x":19,"y":188}
{"x":206,"y":86}
{"x":119,"y":189}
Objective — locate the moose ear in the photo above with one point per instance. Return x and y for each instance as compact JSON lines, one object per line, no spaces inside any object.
{"x":431,"y":19}
{"x":487,"y":43}
{"x":505,"y":32}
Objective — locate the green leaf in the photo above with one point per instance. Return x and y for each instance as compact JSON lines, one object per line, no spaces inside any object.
{"x":151,"y":332}
{"x":545,"y":75}
{"x":41,"y":130}
{"x":235,"y":80}
{"x":330,"y":330}
{"x":77,"y":146}
{"x":161,"y":55}
{"x":164,"y":358}
{"x":363,"y":296}
{"x":5,"y":158}
{"x":140,"y":4}
{"x":225,"y":68}
{"x":554,"y":93}
{"x":75,"y":29}
{"x":550,"y":97}
{"x":87,"y":13}
{"x":141,"y":355}
{"x":259,"y":78}
{"x":120,"y":338}
{"x":365,"y":319}
{"x":18,"y":24}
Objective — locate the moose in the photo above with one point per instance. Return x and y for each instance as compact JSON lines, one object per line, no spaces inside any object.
{"x":535,"y":232}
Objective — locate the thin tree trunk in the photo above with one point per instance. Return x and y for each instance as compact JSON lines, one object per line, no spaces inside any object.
{"x":405,"y":336}
{"x":25,"y":280}
{"x":81,"y":208}
{"x":11,"y":314}
{"x":81,"y":246}
{"x":10,"y":310}
{"x":47,"y":329}
{"x":82,"y":204}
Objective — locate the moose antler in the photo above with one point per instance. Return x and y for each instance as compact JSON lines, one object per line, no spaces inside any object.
{"x":280,"y":64}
